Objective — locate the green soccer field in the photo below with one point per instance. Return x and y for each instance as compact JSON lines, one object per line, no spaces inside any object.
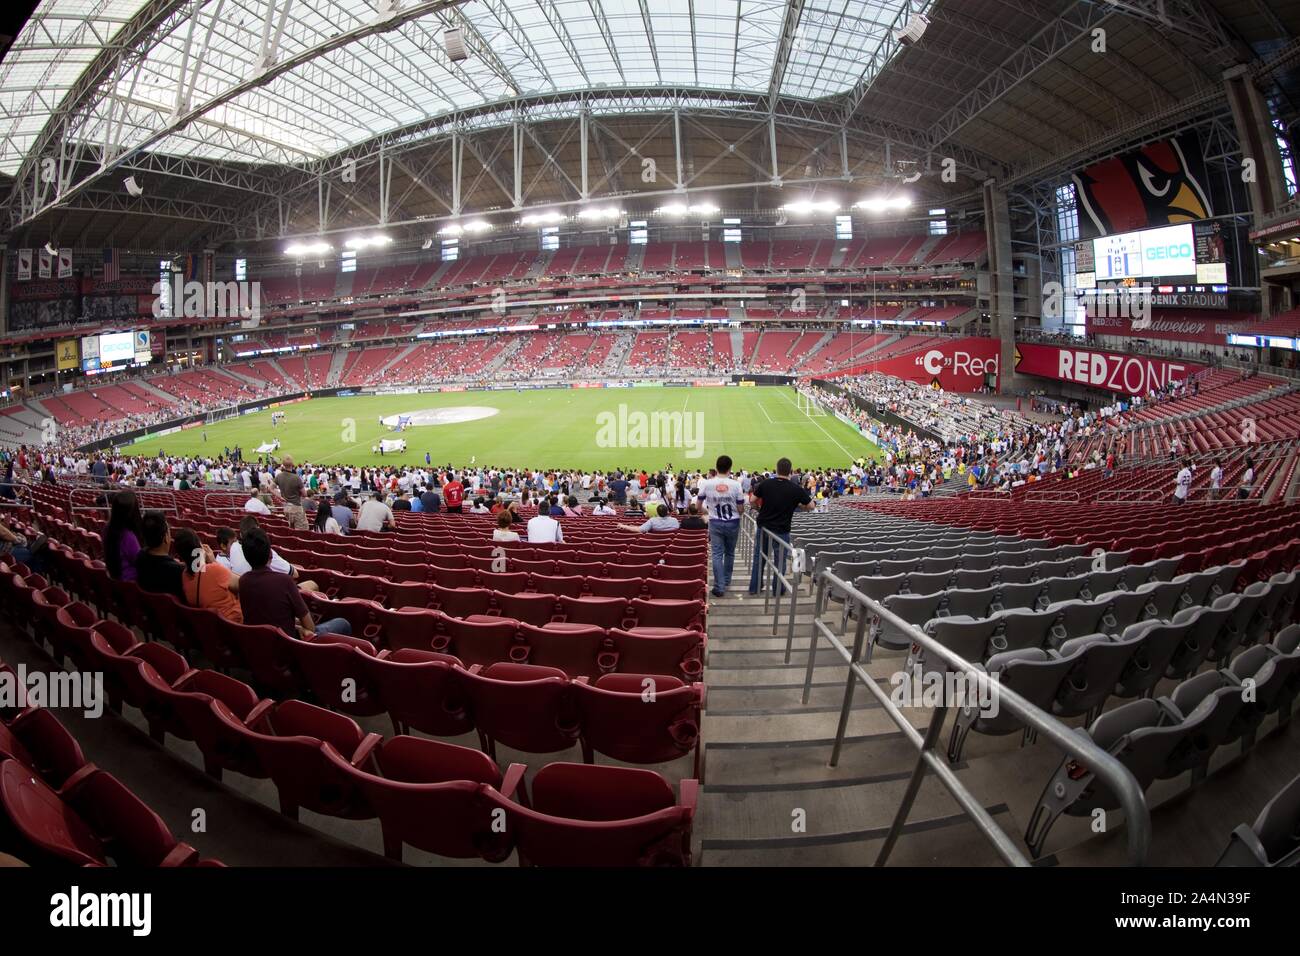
{"x":552,"y":428}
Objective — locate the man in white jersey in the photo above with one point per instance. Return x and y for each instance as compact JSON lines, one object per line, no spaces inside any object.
{"x":1183,"y":483}
{"x":723,"y":498}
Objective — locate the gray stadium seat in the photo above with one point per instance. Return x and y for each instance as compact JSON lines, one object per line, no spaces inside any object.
{"x":1160,"y":641}
{"x":959,"y":602}
{"x":1240,"y":610}
{"x":1103,"y":582}
{"x":1023,"y":628}
{"x":1162,"y":598}
{"x":1056,"y":590}
{"x":1196,"y":587}
{"x":977,"y":562}
{"x":1137,"y":735}
{"x":967,"y":637}
{"x":1164,"y":569}
{"x":1019,"y":596}
{"x":1096,"y":663}
{"x":1219,"y":695}
{"x":1122,"y":609}
{"x":1226,"y":581}
{"x":1289,"y":581}
{"x":1133,"y":576}
{"x":1032,"y":673}
{"x":918,"y":582}
{"x":1206,"y":624}
{"x":1075,"y":619}
{"x":1015,"y":574}
{"x":1273,"y":839}
{"x":973,"y":580}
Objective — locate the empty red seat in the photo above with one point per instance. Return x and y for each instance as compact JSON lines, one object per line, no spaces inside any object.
{"x":572,"y":648}
{"x":71,"y":634}
{"x":420,"y":691}
{"x":528,"y":607}
{"x":628,"y":588}
{"x":616,"y":570}
{"x":412,"y":594}
{"x":600,"y":611}
{"x":47,"y":830}
{"x":49,"y":749}
{"x":656,"y":650}
{"x":405,"y":628}
{"x":570,"y":585}
{"x":290,"y":741}
{"x":669,"y":613}
{"x":335,"y":673}
{"x":127,"y":829}
{"x":506,"y":582}
{"x":479,"y":640}
{"x":268,"y":652}
{"x":640,"y":718}
{"x":524,"y":707}
{"x":429,"y":794}
{"x":215,"y":709}
{"x":461,"y":602}
{"x":660,"y":589}
{"x":584,"y":815}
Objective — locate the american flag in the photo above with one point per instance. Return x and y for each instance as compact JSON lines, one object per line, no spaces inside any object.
{"x":112,"y":266}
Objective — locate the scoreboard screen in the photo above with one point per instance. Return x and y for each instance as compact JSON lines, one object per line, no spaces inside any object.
{"x":110,"y":350}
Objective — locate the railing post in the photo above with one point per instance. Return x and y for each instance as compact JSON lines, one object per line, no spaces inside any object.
{"x":914,"y":783}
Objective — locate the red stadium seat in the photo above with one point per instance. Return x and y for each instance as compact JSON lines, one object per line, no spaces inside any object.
{"x":333,"y":668}
{"x":428,"y":794}
{"x":479,"y":640}
{"x":601,"y":612}
{"x":214,"y":708}
{"x":537,"y":609}
{"x":71,"y":634}
{"x":412,"y":594}
{"x":507,"y":582}
{"x":640,"y":718}
{"x":461,"y":602}
{"x":130,"y":833}
{"x":420,"y":691}
{"x":660,"y":589}
{"x":524,"y":707}
{"x":654,"y":650}
{"x":582,"y":815}
{"x":406,"y":628}
{"x":572,"y":648}
{"x":54,"y":753}
{"x":290,"y":740}
{"x":669,"y":613}
{"x":268,"y":652}
{"x":628,"y":588}
{"x":569,"y":585}
{"x":46,"y":829}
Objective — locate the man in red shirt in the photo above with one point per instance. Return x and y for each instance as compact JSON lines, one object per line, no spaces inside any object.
{"x":453,"y":493}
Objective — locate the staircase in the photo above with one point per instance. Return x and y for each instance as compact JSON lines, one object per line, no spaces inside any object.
{"x":337,"y":360}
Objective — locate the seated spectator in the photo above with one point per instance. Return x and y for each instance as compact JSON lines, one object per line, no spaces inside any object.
{"x":403,"y":502}
{"x":239,"y":563}
{"x":342,"y":513}
{"x":571,"y":507}
{"x":226,"y":537}
{"x":502,"y":531}
{"x":122,"y":536}
{"x":204,"y":582}
{"x":270,"y":598}
{"x":544,"y":529}
{"x":430,"y":501}
{"x":325,"y":521}
{"x":156,"y":570}
{"x":634,"y":506}
{"x":256,"y":506}
{"x":660,"y":521}
{"x":693,"y":519}
{"x":552,"y":508}
{"x":599,"y":506}
{"x":375,"y":515}
{"x":15,"y":544}
{"x":480,"y":507}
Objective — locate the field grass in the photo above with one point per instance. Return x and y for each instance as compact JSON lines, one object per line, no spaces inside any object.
{"x":552,"y":428}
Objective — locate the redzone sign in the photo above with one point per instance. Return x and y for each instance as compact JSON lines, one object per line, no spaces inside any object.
{"x":1112,"y":371}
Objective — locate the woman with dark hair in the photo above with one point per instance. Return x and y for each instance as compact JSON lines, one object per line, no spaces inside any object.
{"x":122,"y":535}
{"x":325,"y":522}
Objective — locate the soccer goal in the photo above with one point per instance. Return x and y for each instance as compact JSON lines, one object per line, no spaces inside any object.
{"x":808,"y":405}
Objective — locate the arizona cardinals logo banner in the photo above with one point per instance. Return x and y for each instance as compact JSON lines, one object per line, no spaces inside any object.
{"x":1161,"y":184}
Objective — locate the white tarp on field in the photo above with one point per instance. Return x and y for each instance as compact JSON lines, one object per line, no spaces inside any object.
{"x":269,"y":446}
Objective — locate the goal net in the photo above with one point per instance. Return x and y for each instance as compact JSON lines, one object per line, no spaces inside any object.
{"x":808,"y":405}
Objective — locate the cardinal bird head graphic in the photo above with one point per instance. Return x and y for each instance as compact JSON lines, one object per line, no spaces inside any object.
{"x":1149,"y":187}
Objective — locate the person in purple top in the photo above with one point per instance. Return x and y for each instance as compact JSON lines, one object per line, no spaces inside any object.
{"x":122,"y":535}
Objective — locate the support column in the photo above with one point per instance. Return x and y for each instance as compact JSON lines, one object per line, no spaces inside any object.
{"x":997,"y":225}
{"x":4,"y":288}
{"x":1258,"y":140}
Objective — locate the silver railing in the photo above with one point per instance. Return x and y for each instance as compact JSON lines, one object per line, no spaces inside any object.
{"x":778,"y":569}
{"x":1112,"y":773}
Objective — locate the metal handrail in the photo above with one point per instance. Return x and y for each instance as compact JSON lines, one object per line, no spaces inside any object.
{"x":753,"y":535}
{"x":1122,"y":784}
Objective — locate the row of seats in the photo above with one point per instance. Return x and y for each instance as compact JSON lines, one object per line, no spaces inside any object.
{"x":57,"y":808}
{"x":1274,"y":838}
{"x":320,"y":760}
{"x":1159,"y":739}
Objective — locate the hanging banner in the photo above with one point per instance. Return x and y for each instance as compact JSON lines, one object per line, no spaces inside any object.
{"x":962,"y":365}
{"x":1161,"y":184}
{"x":43,"y":264}
{"x":24,"y":264}
{"x":66,"y":355}
{"x":65,"y":263}
{"x":1112,"y":371}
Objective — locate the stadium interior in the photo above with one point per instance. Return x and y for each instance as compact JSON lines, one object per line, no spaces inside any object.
{"x":1014,"y":286}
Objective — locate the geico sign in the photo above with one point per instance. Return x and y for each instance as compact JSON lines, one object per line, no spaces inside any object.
{"x":1117,"y":373}
{"x":935,"y":362}
{"x":1176,"y":251}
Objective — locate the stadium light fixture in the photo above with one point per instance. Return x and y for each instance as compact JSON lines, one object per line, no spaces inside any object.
{"x":600,"y":212}
{"x":536,"y":218}
{"x":883,"y":203}
{"x":366,"y":242}
{"x":803,"y":207}
{"x":307,"y":249}
{"x":681,"y":209}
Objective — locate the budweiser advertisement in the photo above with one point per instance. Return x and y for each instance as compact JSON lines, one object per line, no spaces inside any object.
{"x":962,"y":365}
{"x":1175,"y":326}
{"x":1112,"y":371}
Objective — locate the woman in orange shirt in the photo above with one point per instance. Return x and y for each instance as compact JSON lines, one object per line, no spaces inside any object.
{"x":205,"y":583}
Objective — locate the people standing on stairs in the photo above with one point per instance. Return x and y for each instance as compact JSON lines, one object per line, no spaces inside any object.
{"x":777,"y":499}
{"x":724,"y":502}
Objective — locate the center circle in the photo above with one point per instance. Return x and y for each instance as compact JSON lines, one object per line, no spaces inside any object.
{"x":453,"y":415}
